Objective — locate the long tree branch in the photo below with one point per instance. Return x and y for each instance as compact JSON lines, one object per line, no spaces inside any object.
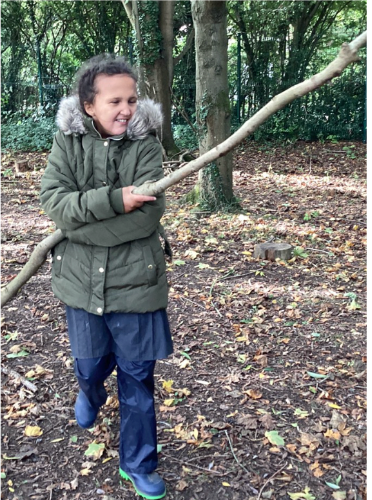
{"x":347,"y":55}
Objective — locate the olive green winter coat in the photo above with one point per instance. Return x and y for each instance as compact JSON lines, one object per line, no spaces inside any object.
{"x":110,"y":261}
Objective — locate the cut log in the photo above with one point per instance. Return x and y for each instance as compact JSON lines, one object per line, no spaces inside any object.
{"x":273,"y":251}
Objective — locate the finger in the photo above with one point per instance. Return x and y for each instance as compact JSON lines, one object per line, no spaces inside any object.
{"x":142,"y":198}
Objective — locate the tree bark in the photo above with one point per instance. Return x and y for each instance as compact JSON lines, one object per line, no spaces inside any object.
{"x":347,"y":55}
{"x":156,"y":76}
{"x":212,"y":98}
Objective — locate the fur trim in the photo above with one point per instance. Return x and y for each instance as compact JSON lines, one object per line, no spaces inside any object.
{"x":69,"y":117}
{"x":147,"y":118}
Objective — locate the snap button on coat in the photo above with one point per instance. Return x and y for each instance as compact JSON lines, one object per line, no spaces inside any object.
{"x":101,"y":270}
{"x":59,"y":257}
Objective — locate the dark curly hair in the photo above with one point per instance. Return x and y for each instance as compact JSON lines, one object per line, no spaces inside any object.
{"x":103,"y":64}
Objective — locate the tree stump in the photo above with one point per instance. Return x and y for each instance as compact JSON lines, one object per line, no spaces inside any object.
{"x":273,"y":251}
{"x":21,"y":166}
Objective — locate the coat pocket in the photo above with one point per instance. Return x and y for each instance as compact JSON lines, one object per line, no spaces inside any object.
{"x":58,"y":253}
{"x":150,"y":265}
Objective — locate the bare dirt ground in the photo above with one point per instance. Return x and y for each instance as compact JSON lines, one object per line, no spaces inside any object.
{"x":264,"y":396}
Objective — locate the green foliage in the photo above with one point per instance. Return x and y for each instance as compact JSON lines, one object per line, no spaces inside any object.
{"x":299,"y":41}
{"x":300,"y":252}
{"x":33,"y":132}
{"x":185,"y":137}
{"x":148,"y":13}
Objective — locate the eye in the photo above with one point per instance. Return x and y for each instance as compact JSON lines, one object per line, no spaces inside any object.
{"x":133,"y":101}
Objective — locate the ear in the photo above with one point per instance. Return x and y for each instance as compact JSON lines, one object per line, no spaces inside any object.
{"x":89,"y":109}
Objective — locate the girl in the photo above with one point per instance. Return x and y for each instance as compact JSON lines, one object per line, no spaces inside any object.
{"x":110,"y":268}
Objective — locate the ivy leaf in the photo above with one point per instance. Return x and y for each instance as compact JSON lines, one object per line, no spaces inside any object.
{"x":95,"y":450}
{"x":179,"y":262}
{"x":274,"y":438}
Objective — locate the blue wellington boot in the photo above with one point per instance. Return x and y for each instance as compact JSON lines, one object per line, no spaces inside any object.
{"x":150,"y":486}
{"x":85,"y":414}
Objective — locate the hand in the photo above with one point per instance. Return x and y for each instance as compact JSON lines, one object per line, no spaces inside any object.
{"x":132,"y":201}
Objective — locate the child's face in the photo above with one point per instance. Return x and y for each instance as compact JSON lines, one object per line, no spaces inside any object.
{"x":114,"y":104}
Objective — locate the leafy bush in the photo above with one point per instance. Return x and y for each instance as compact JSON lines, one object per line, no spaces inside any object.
{"x":29,"y":130}
{"x":28,"y":135}
{"x":185,"y":137}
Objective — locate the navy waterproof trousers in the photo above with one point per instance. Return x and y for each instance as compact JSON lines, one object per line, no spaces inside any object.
{"x":135,"y":379}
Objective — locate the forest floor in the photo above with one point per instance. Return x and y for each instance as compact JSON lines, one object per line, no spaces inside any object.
{"x":264,"y":396}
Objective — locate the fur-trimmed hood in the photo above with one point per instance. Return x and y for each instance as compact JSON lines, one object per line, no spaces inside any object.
{"x":147,"y":118}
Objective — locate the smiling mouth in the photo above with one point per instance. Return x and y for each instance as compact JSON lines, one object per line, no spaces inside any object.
{"x":122,"y":121}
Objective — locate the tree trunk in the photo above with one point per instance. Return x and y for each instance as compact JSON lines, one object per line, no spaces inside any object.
{"x":156,"y":60}
{"x":215,"y":187}
{"x":347,"y":55}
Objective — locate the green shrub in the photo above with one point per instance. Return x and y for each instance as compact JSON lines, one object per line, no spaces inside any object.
{"x":184,"y":137}
{"x":28,"y":134}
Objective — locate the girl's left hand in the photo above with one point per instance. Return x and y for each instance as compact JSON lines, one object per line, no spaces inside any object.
{"x":132,"y":201}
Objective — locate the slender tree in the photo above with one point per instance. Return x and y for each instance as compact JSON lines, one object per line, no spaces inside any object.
{"x":152,"y":23}
{"x":215,"y":187}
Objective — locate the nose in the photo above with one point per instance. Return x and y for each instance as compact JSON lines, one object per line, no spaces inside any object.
{"x":125,"y":110}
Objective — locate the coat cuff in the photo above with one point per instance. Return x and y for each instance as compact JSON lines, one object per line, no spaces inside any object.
{"x":116,"y":200}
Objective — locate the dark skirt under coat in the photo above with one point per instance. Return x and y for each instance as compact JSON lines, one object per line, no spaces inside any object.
{"x":131,"y":336}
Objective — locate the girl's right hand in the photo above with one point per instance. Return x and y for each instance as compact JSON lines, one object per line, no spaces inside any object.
{"x":132,"y":201}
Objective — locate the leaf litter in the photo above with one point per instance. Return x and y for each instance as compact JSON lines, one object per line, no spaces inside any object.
{"x":265,"y":393}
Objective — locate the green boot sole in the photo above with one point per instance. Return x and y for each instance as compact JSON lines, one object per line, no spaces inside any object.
{"x":125,"y":476}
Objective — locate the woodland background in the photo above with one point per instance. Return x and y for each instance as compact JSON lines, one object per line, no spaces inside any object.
{"x":265,"y":394}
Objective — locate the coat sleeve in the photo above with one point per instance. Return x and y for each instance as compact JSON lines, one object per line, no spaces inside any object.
{"x":135,"y":225}
{"x":61,"y":199}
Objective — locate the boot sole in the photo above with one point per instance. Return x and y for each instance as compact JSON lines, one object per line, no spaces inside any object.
{"x":148,"y":497}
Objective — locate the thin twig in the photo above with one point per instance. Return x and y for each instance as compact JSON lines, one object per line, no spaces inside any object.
{"x":270,"y":478}
{"x":216,"y":309}
{"x":24,"y":381}
{"x":195,"y":303}
{"x":317,"y":250}
{"x":193,"y":465}
{"x":232,"y":451}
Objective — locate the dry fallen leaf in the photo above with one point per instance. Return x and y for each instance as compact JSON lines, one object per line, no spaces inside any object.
{"x":253,"y":394}
{"x":86,"y":472}
{"x":167,"y":385}
{"x":332,"y":434}
{"x":267,"y":421}
{"x":248,"y":421}
{"x":181,"y":485}
{"x":33,"y":431}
